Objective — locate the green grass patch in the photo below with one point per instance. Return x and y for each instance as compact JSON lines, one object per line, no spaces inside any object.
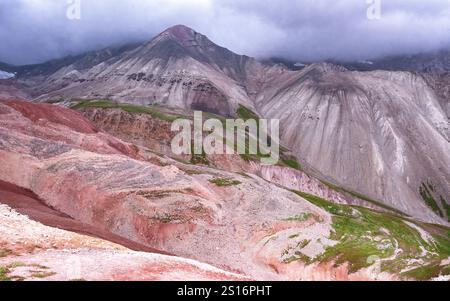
{"x":198,"y":159}
{"x":222,"y":182}
{"x":107,"y":104}
{"x":192,"y":172}
{"x":246,"y":114}
{"x":292,"y":163}
{"x":446,"y":207}
{"x":4,"y":274}
{"x":332,"y":208}
{"x":362,"y":233}
{"x":424,"y":273}
{"x":16,"y":264}
{"x":298,"y":218}
{"x":41,"y":275}
{"x":39,"y":266}
{"x":362,"y":197}
{"x":425,"y":193}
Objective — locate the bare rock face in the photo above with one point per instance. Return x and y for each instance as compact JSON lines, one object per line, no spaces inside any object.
{"x":384,"y":134}
{"x":440,"y":83}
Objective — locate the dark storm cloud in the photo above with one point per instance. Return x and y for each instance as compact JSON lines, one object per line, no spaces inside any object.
{"x":304,"y":30}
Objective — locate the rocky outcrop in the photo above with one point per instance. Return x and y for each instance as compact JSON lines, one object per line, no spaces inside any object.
{"x":383,"y":134}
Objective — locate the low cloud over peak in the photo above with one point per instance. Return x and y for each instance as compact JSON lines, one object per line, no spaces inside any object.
{"x":305,"y":30}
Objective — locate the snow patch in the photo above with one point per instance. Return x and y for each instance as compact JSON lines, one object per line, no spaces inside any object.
{"x":366,"y":62}
{"x":6,"y":75}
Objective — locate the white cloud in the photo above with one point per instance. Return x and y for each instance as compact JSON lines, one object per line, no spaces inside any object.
{"x":37,"y":30}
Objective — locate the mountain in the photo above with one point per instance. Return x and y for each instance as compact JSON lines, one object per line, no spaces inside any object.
{"x":433,"y":66}
{"x":422,"y":62}
{"x":178,"y":68}
{"x":381,"y":134}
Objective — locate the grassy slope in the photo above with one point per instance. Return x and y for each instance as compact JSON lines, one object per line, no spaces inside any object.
{"x":363,"y":234}
{"x":285,"y":160}
{"x":106,"y":104}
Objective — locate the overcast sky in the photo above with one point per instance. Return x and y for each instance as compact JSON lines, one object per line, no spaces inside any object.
{"x":304,"y":30}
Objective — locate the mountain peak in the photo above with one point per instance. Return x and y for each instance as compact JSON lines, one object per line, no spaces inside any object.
{"x":181,"y":33}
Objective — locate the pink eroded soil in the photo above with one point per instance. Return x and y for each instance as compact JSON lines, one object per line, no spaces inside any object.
{"x":54,"y":114}
{"x":27,"y":203}
{"x":72,"y":128}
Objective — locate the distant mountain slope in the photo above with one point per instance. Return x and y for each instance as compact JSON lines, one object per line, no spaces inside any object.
{"x":423,"y":62}
{"x":380,"y":133}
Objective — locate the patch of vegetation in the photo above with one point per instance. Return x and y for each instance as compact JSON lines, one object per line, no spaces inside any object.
{"x":4,"y":274}
{"x":446,"y":207}
{"x":107,"y":104}
{"x":197,"y":159}
{"x":424,"y":273}
{"x":222,"y":182}
{"x":332,"y":208}
{"x":39,"y":266}
{"x":294,"y":236}
{"x":5,"y":252}
{"x":298,"y":255}
{"x":41,"y":275}
{"x":78,"y":280}
{"x":167,"y":218}
{"x":362,"y":197}
{"x":291,"y":162}
{"x":298,"y":218}
{"x":362,"y":233}
{"x":246,"y":114}
{"x":192,"y":172}
{"x":16,"y":264}
{"x":303,"y":244}
{"x":427,"y":196}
